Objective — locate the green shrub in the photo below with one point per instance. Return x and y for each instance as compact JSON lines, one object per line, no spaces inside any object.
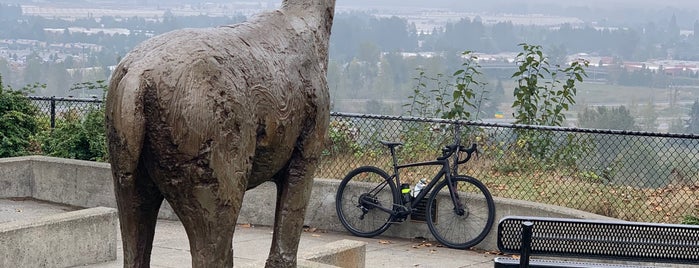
{"x":343,"y":135}
{"x":689,"y":219}
{"x":78,"y":136}
{"x":18,"y":121}
{"x":541,"y":97}
{"x":458,"y":96}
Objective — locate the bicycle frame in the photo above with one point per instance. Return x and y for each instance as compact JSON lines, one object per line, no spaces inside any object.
{"x":371,"y":188}
{"x":443,"y":172}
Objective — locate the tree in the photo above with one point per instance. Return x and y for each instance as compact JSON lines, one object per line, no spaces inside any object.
{"x":34,"y":69}
{"x":649,"y":118}
{"x":693,"y":123}
{"x":369,"y":52}
{"x":540,"y":96}
{"x":677,"y":126}
{"x":603,"y":117}
{"x":459,"y":96}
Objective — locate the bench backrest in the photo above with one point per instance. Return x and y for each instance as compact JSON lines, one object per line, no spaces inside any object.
{"x":602,"y":239}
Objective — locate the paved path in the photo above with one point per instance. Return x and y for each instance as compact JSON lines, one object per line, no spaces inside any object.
{"x":251,"y":243}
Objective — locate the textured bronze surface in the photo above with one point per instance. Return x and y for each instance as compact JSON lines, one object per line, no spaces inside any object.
{"x":198,"y":116}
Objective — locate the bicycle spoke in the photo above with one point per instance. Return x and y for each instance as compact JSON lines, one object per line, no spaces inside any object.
{"x":465,"y":226}
{"x":360,"y":198}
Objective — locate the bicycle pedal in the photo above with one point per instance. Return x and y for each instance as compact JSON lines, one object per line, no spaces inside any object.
{"x":400,"y":220}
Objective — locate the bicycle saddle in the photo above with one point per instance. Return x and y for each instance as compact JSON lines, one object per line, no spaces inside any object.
{"x":391,"y":144}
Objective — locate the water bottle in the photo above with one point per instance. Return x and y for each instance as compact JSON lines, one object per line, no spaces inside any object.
{"x":418,"y":186}
{"x":405,"y":190}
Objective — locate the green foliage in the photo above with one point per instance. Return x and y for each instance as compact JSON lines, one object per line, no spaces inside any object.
{"x":545,"y":150}
{"x":648,"y":117}
{"x":78,"y":136}
{"x":677,"y":125}
{"x":602,"y":117}
{"x":420,"y":139}
{"x":343,"y":139}
{"x":541,"y":97}
{"x":653,"y":173}
{"x":17,"y":121}
{"x":465,"y":91}
{"x":689,"y":219}
{"x":446,"y":99}
{"x":459,"y":96}
{"x":513,"y":158}
{"x":693,"y":123}
{"x":420,"y":102}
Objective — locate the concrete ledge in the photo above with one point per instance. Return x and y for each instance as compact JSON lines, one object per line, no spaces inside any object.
{"x":300,"y":263}
{"x":89,"y":184}
{"x":72,"y":182}
{"x":16,"y":177}
{"x":311,"y":264}
{"x":342,"y":253}
{"x":61,"y":240}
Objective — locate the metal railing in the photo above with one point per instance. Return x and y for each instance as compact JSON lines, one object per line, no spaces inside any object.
{"x":56,"y":107}
{"x":628,"y":175}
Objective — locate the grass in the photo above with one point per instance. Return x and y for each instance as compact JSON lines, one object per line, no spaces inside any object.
{"x":556,"y":186}
{"x":599,"y":93}
{"x":591,"y":94}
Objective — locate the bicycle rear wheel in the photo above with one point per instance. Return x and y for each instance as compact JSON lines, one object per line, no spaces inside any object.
{"x":455,"y":227}
{"x":360,"y":197}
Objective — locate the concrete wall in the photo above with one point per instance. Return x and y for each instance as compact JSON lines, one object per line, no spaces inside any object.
{"x":258,"y":208}
{"x":61,"y":240}
{"x":89,"y":184}
{"x":343,"y":253}
{"x":16,"y":177}
{"x":71,"y":182}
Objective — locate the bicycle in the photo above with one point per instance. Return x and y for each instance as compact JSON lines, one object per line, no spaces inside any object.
{"x":460,"y":210}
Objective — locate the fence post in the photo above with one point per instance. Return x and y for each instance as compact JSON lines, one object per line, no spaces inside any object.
{"x":457,"y":140}
{"x":53,"y":112}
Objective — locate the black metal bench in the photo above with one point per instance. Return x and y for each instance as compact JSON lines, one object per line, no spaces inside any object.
{"x":594,"y":239}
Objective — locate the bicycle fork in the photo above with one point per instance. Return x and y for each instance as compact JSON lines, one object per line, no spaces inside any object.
{"x":459,"y":208}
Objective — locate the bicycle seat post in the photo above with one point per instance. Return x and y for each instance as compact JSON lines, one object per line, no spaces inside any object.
{"x":392,"y":146}
{"x":395,"y":159}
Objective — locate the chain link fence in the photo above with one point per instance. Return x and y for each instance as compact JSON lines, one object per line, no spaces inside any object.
{"x":56,"y":107}
{"x":634,"y":176}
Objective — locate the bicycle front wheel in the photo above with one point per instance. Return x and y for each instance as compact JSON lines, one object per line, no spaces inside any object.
{"x":364,"y":199}
{"x":465,"y":225}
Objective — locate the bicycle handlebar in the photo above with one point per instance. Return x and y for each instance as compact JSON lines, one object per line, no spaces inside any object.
{"x":449,"y":150}
{"x":469,"y":152}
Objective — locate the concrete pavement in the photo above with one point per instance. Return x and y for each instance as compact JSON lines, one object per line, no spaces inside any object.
{"x":251,"y":243}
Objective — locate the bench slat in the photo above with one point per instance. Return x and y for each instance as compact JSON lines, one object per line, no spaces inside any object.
{"x":507,"y":262}
{"x":603,"y":239}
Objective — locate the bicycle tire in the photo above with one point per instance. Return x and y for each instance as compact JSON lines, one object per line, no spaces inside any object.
{"x":370,"y":183}
{"x":466,"y":230}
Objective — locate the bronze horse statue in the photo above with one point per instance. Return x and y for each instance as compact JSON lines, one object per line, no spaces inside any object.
{"x":199,"y":116}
